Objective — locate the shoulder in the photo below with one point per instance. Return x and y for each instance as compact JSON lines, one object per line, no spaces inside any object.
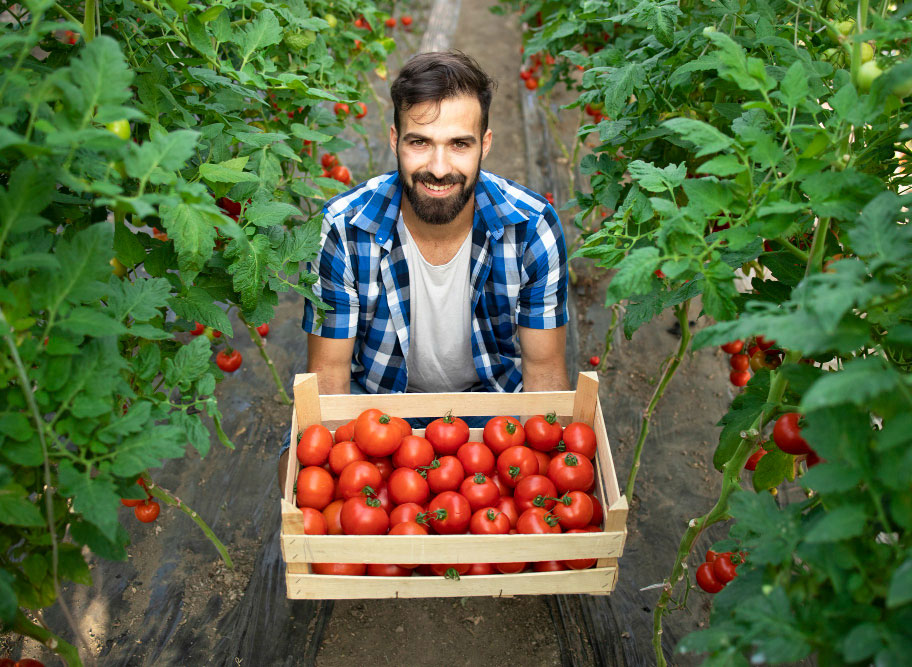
{"x":528,"y":210}
{"x":519,"y":196}
{"x":371,"y":195}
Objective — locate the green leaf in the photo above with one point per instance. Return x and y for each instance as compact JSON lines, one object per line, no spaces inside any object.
{"x":148,"y":449}
{"x":722,"y":166}
{"x":189,"y":364}
{"x":88,"y":534}
{"x":135,"y":420}
{"x":662,"y":23}
{"x":16,"y":509}
{"x":199,"y":38}
{"x":831,"y":478}
{"x":163,"y":151}
{"x":860,"y":381}
{"x":304,"y":132}
{"x":654,"y":179}
{"x":197,"y":305}
{"x":16,"y":425}
{"x":139,"y":301}
{"x":72,"y":566}
{"x":878,"y":235}
{"x":192,"y":226}
{"x":900,"y":589}
{"x":862,"y":642}
{"x":98,"y":78}
{"x":840,"y":523}
{"x":88,"y":322}
{"x":719,"y":291}
{"x":263,"y":31}
{"x":127,"y":247}
{"x":35,"y":567}
{"x":29,"y":193}
{"x":704,"y":136}
{"x":772,"y":469}
{"x":267,"y":214}
{"x":635,"y":273}
{"x":196,"y":433}
{"x":618,"y":87}
{"x":794,"y":87}
{"x":250,"y":262}
{"x":220,"y":173}
{"x":211,"y":13}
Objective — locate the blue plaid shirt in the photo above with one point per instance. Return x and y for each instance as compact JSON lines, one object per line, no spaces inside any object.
{"x":518,"y":272}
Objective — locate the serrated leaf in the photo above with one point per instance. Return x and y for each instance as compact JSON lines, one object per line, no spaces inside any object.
{"x":263,"y":31}
{"x":9,"y":603}
{"x":88,"y":534}
{"x":16,"y":425}
{"x":794,"y":86}
{"x":91,"y":322}
{"x":197,"y":305}
{"x":772,"y":469}
{"x":189,"y":364}
{"x":194,"y":430}
{"x":704,"y":136}
{"x":16,"y":509}
{"x":862,"y":641}
{"x":859,"y":381}
{"x":618,"y":86}
{"x":722,"y":165}
{"x":900,"y":589}
{"x":219,"y":173}
{"x":267,"y":214}
{"x":249,"y":265}
{"x":135,"y":420}
{"x":139,"y":301}
{"x":840,"y":523}
{"x":72,"y":565}
{"x":148,"y":449}
{"x":95,"y":498}
{"x":166,"y":151}
{"x":635,"y":273}
{"x":831,"y":478}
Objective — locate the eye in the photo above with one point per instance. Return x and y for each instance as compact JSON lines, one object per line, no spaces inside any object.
{"x":461,"y":145}
{"x":417,"y":142}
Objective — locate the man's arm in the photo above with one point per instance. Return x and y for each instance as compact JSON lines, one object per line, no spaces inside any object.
{"x":330,"y":359}
{"x":544,"y":364}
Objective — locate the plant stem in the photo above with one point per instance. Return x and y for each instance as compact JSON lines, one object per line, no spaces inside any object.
{"x":731,"y":482}
{"x":64,"y":649}
{"x":170,"y":499}
{"x":88,"y":21}
{"x":258,"y":340}
{"x":681,"y":313}
{"x":818,"y":248}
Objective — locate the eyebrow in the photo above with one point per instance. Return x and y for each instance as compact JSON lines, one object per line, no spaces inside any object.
{"x":468,"y":139}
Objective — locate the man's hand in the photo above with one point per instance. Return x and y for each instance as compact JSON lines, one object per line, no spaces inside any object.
{"x":544,"y":363}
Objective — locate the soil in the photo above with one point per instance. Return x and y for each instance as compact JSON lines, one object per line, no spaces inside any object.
{"x":174,"y":602}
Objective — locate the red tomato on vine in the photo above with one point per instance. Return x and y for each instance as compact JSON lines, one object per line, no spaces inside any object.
{"x":228,"y":360}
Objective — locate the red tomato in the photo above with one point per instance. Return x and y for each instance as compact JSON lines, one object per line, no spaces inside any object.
{"x":764,"y":344}
{"x":127,"y":502}
{"x":543,"y":461}
{"x":407,"y":486}
{"x":507,"y":505}
{"x":594,"y":360}
{"x":147,"y":511}
{"x":549,"y":566}
{"x":479,"y":569}
{"x":376,"y":434}
{"x":447,"y":434}
{"x":733,"y":347}
{"x":706,"y":579}
{"x":384,"y":465}
{"x":314,"y":522}
{"x":339,"y":569}
{"x":739,"y":362}
{"x":597,"y":513}
{"x":31,"y":662}
{"x":390,"y":22}
{"x":445,"y":474}
{"x":787,"y":434}
{"x":405,"y":512}
{"x":341,"y":174}
{"x":343,"y":453}
{"x":574,"y":510}
{"x":502,"y":432}
{"x":384,"y":497}
{"x":476,"y":457}
{"x":739,"y":378}
{"x":812,"y":459}
{"x":362,"y":109}
{"x":488,"y":521}
{"x":543,"y":432}
{"x":359,"y":478}
{"x":263,"y":329}
{"x":364,"y":516}
{"x":404,"y":426}
{"x":387,"y":570}
{"x":510,"y":568}
{"x":724,"y":569}
{"x":341,"y":108}
{"x":314,"y":445}
{"x":571,"y":472}
{"x":754,"y":459}
{"x":345,"y":433}
{"x":198,"y":329}
{"x":315,"y":488}
{"x":515,"y":463}
{"x":408,"y":528}
{"x":414,"y":452}
{"x":328,"y":160}
{"x":579,"y":563}
{"x":331,"y":513}
{"x":580,"y":439}
{"x":534,"y":491}
{"x":450,"y":570}
{"x":537,"y":521}
{"x":449,"y":513}
{"x":479,"y":490}
{"x":531,"y":83}
{"x":503,"y":488}
{"x":406,"y":20}
{"x":228,"y":360}
{"x":525,"y":74}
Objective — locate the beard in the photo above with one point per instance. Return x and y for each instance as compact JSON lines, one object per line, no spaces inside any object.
{"x":433,"y":210}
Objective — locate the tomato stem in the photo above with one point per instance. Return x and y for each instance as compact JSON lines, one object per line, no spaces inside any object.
{"x":25,"y":627}
{"x":261,"y":346}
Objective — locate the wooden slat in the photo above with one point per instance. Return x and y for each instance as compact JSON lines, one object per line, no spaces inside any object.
{"x":292,"y":465}
{"x":347,"y":406}
{"x":325,"y":587}
{"x":449,"y":548}
{"x":586,"y":399}
{"x":604,"y":456}
{"x":307,"y":400}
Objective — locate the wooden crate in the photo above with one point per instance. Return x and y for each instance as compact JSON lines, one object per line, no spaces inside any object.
{"x":299,"y":549}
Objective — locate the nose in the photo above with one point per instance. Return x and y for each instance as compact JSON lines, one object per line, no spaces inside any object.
{"x":438,"y":164}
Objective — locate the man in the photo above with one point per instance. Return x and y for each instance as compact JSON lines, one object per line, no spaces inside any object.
{"x":434,"y":272}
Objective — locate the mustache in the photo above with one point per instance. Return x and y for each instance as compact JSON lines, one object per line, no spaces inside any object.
{"x":431,"y":180}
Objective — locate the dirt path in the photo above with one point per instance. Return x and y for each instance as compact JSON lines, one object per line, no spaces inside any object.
{"x":174,"y":603}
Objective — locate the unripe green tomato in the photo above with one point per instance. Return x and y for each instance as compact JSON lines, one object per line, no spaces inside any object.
{"x":835,"y":8}
{"x":846,"y":27}
{"x":120,"y":127}
{"x":118,"y":269}
{"x":331,"y":20}
{"x":866,"y":75}
{"x":903,"y":88}
{"x":708,"y":30}
{"x":867,"y":52}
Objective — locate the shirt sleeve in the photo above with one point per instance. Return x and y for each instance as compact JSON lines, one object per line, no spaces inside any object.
{"x":543,"y":295}
{"x":335,"y":286}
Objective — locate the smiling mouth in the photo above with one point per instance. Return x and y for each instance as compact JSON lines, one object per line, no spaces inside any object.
{"x":437,"y":190}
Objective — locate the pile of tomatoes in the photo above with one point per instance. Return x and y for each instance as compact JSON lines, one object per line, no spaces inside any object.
{"x":759,"y":355}
{"x":377,"y":477}
{"x":717,"y":570}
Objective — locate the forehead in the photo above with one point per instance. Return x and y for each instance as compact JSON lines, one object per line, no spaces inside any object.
{"x":454,"y":116}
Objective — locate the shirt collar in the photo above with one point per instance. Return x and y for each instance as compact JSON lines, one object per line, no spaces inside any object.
{"x":381,"y":212}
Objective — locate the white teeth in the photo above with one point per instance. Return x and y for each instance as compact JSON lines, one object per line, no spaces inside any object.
{"x":437,"y":188}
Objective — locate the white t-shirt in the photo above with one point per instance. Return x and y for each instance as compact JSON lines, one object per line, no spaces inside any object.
{"x":440,"y":337}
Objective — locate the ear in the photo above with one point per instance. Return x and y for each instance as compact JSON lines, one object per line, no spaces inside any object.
{"x":394,"y":139}
{"x":486,"y":141}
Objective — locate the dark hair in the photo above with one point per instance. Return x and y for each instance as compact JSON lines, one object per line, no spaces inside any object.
{"x":441,"y":75}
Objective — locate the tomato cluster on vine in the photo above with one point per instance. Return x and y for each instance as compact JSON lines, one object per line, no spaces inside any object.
{"x":759,"y":354}
{"x":376,"y":477}
{"x":718,"y":569}
{"x":145,"y":509}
